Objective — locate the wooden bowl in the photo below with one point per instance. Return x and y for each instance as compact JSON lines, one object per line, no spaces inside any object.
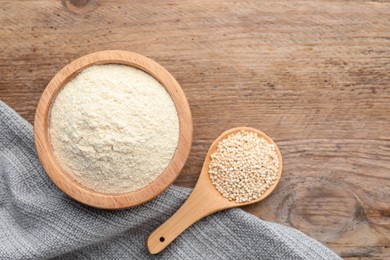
{"x":84,"y":194}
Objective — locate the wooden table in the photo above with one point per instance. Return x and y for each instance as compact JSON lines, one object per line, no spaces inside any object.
{"x":314,"y":75}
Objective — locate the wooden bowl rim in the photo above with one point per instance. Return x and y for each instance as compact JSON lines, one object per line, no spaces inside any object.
{"x":84,"y":194}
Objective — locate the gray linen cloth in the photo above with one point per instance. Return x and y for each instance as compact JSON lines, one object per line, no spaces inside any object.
{"x":38,"y":221}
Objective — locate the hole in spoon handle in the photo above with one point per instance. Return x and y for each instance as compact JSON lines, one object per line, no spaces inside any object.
{"x":198,"y":205}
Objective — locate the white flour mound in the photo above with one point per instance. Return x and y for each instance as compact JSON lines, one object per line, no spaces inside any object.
{"x":114,"y":128}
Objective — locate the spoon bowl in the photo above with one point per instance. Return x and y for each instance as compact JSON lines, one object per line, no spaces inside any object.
{"x":205,"y":199}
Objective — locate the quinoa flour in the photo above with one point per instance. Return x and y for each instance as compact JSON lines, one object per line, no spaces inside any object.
{"x":114,"y":128}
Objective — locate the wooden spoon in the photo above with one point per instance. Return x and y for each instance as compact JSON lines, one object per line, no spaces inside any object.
{"x":204,"y":199}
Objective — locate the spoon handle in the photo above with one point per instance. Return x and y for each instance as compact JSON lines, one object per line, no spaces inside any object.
{"x":198,"y":205}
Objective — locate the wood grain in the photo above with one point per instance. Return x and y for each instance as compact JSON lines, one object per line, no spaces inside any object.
{"x":313,"y":75}
{"x":63,"y":180}
{"x":205,"y":199}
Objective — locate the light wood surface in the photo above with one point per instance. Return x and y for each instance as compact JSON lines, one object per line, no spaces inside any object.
{"x":204,"y":199}
{"x":312,"y":74}
{"x":63,"y":180}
